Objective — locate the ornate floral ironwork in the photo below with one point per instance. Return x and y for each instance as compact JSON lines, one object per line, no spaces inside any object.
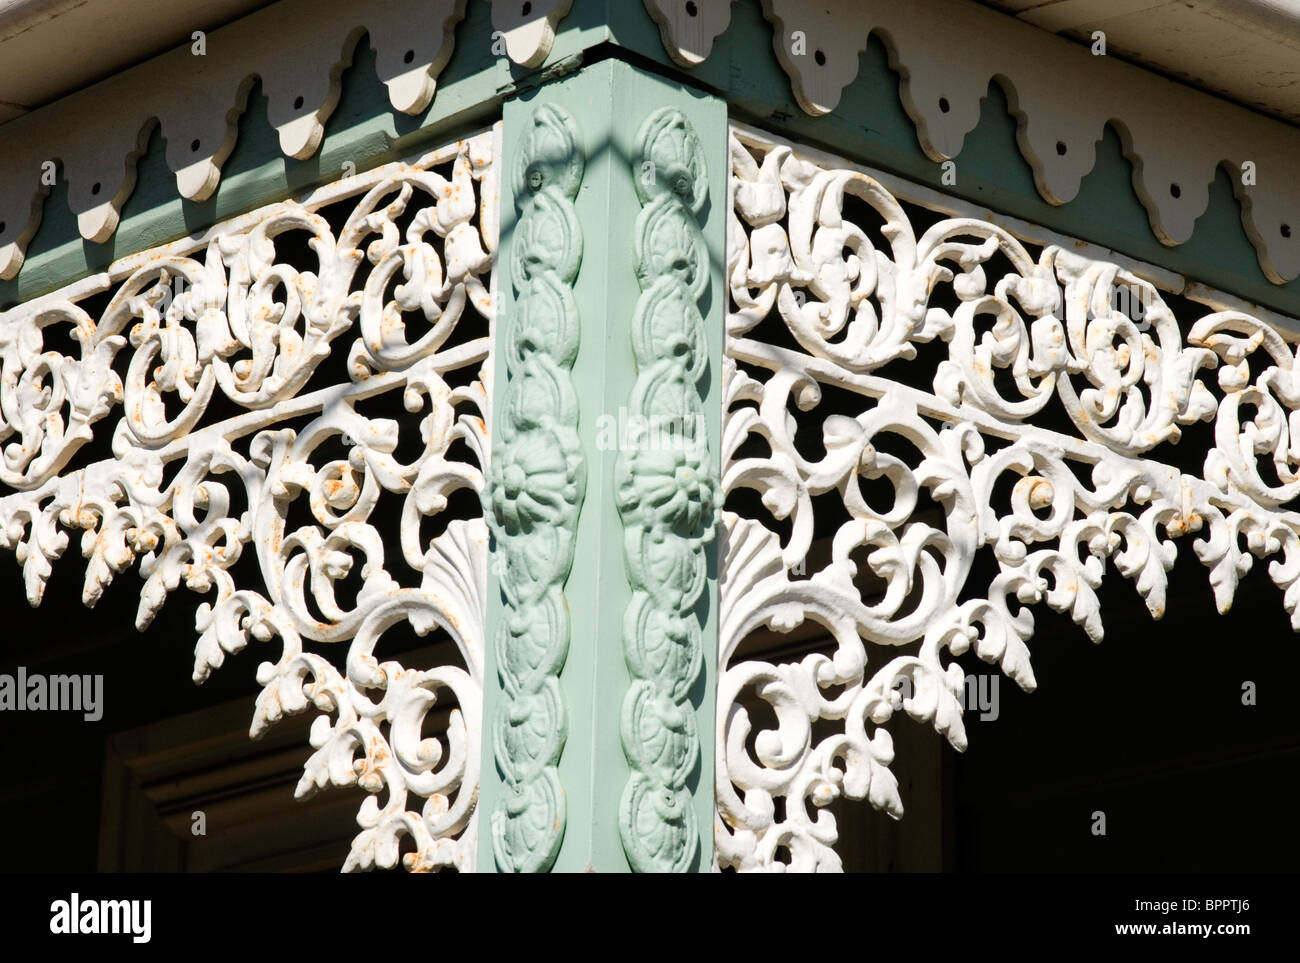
{"x":208,"y":368}
{"x":828,"y":253}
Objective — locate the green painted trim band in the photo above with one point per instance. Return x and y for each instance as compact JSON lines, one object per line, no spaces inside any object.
{"x":868,"y":125}
{"x":364,"y":131}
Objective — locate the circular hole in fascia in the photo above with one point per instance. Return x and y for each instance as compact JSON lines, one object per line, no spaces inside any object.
{"x":527,"y":8}
{"x":1175,"y":190}
{"x":194,"y":146}
{"x":94,"y":189}
{"x":2,"y":227}
{"x":1060,"y":148}
{"x":820,"y":58}
{"x":408,"y":56}
{"x":944,"y":106}
{"x":1286,"y":229}
{"x":691,"y":9}
{"x":298,"y":102}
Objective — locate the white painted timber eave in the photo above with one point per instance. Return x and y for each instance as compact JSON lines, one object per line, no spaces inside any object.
{"x":50,"y":48}
{"x":1245,"y":50}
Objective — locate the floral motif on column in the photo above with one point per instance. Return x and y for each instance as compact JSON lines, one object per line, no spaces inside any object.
{"x":668,"y":500}
{"x":534,"y":494}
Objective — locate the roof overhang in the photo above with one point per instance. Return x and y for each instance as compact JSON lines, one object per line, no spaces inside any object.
{"x":49,"y":48}
{"x":1245,"y":50}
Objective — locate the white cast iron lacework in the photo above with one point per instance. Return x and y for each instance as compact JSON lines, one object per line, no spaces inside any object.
{"x":1036,"y":341}
{"x":239,"y":378}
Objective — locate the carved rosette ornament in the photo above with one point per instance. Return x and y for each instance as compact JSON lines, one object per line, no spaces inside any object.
{"x":668,"y":500}
{"x":535,"y":492}
{"x":829,"y":283}
{"x":239,"y":454}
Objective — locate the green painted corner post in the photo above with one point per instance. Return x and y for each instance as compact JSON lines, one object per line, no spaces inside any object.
{"x":603,"y":494}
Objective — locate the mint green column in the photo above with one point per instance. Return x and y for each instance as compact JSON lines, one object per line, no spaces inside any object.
{"x":603,"y":495}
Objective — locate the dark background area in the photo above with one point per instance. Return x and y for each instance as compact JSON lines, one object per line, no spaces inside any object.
{"x":1147,"y":727}
{"x":50,"y":799}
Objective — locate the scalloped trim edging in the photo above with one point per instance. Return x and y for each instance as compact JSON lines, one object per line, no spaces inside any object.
{"x":299,"y":50}
{"x":1060,"y":93}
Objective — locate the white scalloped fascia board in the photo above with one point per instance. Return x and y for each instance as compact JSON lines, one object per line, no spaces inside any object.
{"x":947,"y":52}
{"x":50,"y":48}
{"x":298,"y":49}
{"x":1175,"y":136}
